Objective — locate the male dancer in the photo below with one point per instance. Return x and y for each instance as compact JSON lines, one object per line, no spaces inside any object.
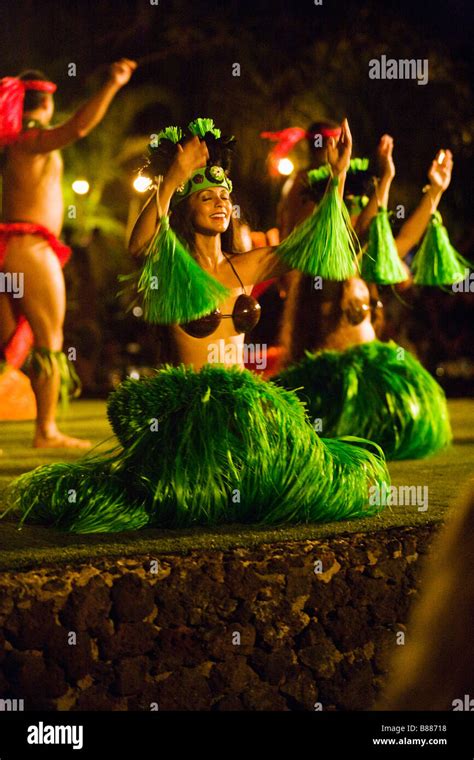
{"x":33,"y":216}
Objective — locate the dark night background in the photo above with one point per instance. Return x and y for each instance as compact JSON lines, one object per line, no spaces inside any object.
{"x":298,"y":62}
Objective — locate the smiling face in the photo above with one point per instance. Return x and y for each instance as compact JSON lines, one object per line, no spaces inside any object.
{"x":210,"y":210}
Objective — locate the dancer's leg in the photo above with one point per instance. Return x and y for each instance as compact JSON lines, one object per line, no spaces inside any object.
{"x":7,"y":319}
{"x":7,"y":323}
{"x":44,"y":305}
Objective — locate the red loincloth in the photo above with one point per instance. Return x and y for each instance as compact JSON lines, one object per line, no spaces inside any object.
{"x":19,"y":344}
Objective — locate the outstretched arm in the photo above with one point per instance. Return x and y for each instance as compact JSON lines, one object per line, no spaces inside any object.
{"x":85,"y":118}
{"x":192,"y":156}
{"x":439,"y":177}
{"x":380,"y":195}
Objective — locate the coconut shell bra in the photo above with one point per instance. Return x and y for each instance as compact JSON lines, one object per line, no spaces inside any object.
{"x":245,"y":315}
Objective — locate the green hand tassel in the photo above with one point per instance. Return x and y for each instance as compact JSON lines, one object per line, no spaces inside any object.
{"x":381,"y":263}
{"x":324,"y":172}
{"x":324,"y":244}
{"x":436,"y":262}
{"x":175,"y":289}
{"x":320,"y":174}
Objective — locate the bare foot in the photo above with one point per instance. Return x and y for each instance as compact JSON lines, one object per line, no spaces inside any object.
{"x":59,"y":441}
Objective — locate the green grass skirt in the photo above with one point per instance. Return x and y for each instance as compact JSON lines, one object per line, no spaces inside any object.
{"x":201,"y":448}
{"x":375,"y":390}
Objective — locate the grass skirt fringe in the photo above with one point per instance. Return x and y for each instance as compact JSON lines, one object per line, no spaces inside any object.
{"x":201,"y":448}
{"x":378,"y":391}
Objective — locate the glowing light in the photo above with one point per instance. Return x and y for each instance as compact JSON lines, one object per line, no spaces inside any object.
{"x":134,"y":374}
{"x":285,"y":166}
{"x":137,"y":311}
{"x":141,"y":184}
{"x":81,"y":186}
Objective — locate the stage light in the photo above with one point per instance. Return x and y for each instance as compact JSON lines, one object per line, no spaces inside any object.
{"x":80,"y":186}
{"x":141,"y":184}
{"x":285,"y":166}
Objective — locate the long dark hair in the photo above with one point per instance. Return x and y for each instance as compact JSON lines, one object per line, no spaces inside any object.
{"x":309,"y":316}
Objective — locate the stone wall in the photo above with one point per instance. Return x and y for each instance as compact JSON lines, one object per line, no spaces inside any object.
{"x":296,"y":626}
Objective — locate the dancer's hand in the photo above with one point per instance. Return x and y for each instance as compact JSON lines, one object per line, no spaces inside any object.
{"x":121,"y":71}
{"x":193,"y":155}
{"x":339,"y":153}
{"x":439,"y":173}
{"x":384,"y":154}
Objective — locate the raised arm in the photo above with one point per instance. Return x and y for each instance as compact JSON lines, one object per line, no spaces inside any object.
{"x":339,"y":155}
{"x":192,"y":156}
{"x":85,"y":118}
{"x":439,"y":176}
{"x":381,"y":192}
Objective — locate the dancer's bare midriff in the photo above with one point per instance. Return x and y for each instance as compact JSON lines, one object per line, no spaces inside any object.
{"x":32,"y":188}
{"x":224,"y":346}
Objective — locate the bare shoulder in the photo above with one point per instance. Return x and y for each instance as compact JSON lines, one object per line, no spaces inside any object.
{"x":26,"y":150}
{"x":250,"y":258}
{"x":257,"y":265}
{"x":27,"y":140}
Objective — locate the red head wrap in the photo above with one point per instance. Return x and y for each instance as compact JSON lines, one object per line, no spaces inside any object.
{"x":286,"y":139}
{"x":12,"y":95}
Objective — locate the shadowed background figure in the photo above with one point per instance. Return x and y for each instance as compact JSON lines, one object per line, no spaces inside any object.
{"x":436,"y":666}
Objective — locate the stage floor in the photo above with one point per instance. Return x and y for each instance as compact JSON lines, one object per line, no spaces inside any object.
{"x":445,"y":475}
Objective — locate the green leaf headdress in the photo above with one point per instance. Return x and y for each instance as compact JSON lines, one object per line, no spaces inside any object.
{"x":162,"y":150}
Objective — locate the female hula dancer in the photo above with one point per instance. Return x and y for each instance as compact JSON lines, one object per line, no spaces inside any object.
{"x":33,"y":215}
{"x":207,"y":441}
{"x":351,"y":381}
